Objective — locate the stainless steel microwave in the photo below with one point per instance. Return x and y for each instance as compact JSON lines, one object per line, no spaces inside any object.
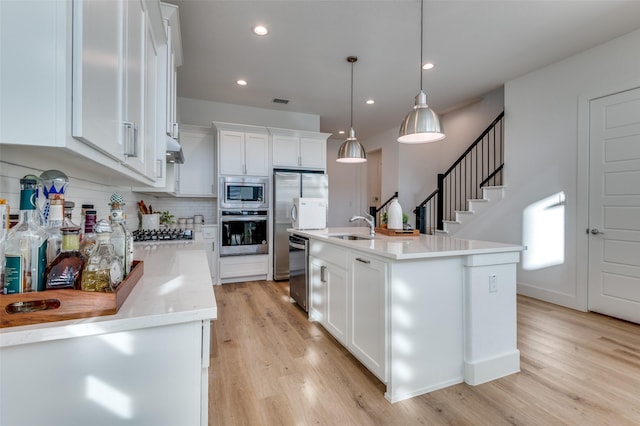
{"x":244,"y":192}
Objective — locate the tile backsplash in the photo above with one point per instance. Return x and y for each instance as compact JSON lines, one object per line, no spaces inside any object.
{"x":83,"y":191}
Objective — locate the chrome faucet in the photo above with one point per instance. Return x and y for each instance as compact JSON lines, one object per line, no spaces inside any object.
{"x":367,"y":218}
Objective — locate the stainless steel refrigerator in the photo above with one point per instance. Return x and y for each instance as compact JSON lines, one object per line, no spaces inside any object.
{"x":288,"y":184}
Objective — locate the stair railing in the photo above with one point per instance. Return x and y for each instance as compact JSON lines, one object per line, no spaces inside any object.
{"x":479,"y":166}
{"x":376,"y":211}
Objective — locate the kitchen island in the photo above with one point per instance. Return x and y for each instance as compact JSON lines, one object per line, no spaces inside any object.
{"x":421,"y":313}
{"x":147,"y":364}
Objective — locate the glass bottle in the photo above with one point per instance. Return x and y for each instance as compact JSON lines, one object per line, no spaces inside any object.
{"x":54,"y":223}
{"x":121,"y":237}
{"x":4,"y":229}
{"x":68,"y":215}
{"x":88,"y":238}
{"x":52,"y":182}
{"x":83,"y":212}
{"x":102,"y":271}
{"x":65,"y":271}
{"x":37,"y":202}
{"x":26,"y":246}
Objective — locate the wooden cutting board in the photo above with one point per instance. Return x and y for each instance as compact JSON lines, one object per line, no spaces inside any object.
{"x":60,"y":305}
{"x":398,"y":232}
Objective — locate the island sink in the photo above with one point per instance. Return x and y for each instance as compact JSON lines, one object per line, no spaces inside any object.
{"x":351,"y":237}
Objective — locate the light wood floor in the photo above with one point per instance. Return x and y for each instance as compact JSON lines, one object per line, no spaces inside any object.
{"x":270,"y":366}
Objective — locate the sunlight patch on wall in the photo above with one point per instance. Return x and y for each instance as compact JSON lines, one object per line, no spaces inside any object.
{"x":543,"y":232}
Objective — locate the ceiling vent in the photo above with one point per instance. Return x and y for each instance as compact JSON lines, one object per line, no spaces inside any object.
{"x":280,"y":101}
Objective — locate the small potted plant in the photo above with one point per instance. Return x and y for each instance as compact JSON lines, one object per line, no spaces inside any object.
{"x":166,"y":219}
{"x":384,"y":219}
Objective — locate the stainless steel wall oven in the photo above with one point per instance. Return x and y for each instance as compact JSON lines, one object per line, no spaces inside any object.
{"x":244,"y":232}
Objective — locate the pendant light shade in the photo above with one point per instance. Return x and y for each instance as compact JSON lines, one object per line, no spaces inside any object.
{"x":422,"y":124}
{"x":351,"y":151}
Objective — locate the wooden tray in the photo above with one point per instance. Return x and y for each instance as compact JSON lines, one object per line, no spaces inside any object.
{"x":398,"y":232}
{"x":60,"y":305}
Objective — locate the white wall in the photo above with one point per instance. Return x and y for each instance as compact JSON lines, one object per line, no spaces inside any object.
{"x":412,"y":169}
{"x":544,"y":134}
{"x":346,"y":183}
{"x":202,"y":113}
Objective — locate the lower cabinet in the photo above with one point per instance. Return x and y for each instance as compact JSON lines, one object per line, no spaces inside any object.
{"x":209,"y":237}
{"x":148,"y":376}
{"x":337,"y":318}
{"x":348,"y":297}
{"x":368,"y":335}
{"x":243,"y":268}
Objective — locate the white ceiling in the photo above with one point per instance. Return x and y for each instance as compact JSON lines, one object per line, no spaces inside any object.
{"x":477,"y":46}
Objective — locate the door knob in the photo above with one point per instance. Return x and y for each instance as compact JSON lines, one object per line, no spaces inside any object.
{"x":596,"y":231}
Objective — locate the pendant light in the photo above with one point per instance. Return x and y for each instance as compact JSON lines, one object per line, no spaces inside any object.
{"x":422,"y":124}
{"x":351,"y":151}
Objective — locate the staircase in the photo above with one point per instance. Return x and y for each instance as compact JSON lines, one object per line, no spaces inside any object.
{"x":468,"y":187}
{"x":491,"y":195}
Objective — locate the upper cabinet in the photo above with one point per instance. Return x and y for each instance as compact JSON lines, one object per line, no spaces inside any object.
{"x":196,"y":176}
{"x":293,"y":149}
{"x":83,"y":76}
{"x":171,"y":17}
{"x":242,"y":150}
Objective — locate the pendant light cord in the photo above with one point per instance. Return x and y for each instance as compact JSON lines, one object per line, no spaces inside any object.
{"x":351,"y":60}
{"x":421,"y":38}
{"x":351,"y":119}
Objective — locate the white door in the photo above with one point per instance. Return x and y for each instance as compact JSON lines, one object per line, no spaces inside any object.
{"x":614,"y":205}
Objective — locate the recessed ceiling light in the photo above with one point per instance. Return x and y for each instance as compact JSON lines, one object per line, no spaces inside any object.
{"x":370,"y":102}
{"x":428,"y":66}
{"x":341,"y":132}
{"x":241,"y":82}
{"x":260,"y":30}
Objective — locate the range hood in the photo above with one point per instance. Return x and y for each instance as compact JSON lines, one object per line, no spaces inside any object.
{"x":174,"y":151}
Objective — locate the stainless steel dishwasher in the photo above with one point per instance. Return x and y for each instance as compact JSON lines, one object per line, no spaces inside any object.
{"x":298,"y":273}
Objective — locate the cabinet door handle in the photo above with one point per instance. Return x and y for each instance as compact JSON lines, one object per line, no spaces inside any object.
{"x":213,"y":246}
{"x":359,"y":259}
{"x":158,"y":169}
{"x":322,"y":274}
{"x":131,"y":139}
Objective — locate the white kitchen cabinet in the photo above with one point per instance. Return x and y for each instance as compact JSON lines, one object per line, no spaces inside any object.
{"x":210,"y":238}
{"x":149,"y":376}
{"x":331,"y":278}
{"x":96,"y":85}
{"x":171,"y":17}
{"x":121,"y":32}
{"x":242,"y":150}
{"x":293,"y":149}
{"x":317,"y":290}
{"x":133,"y":94}
{"x":337,"y":318}
{"x":243,"y":268}
{"x":195,"y":178}
{"x":50,"y":76}
{"x":154,"y":155}
{"x":347,"y":295}
{"x":367,"y":337}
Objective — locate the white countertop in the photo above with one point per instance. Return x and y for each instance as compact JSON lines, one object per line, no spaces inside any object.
{"x":175,"y":288}
{"x":407,"y":247}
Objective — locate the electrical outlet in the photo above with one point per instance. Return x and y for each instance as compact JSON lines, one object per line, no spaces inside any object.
{"x":493,"y":283}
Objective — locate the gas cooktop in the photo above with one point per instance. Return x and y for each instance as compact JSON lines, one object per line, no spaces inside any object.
{"x":162,"y":235}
